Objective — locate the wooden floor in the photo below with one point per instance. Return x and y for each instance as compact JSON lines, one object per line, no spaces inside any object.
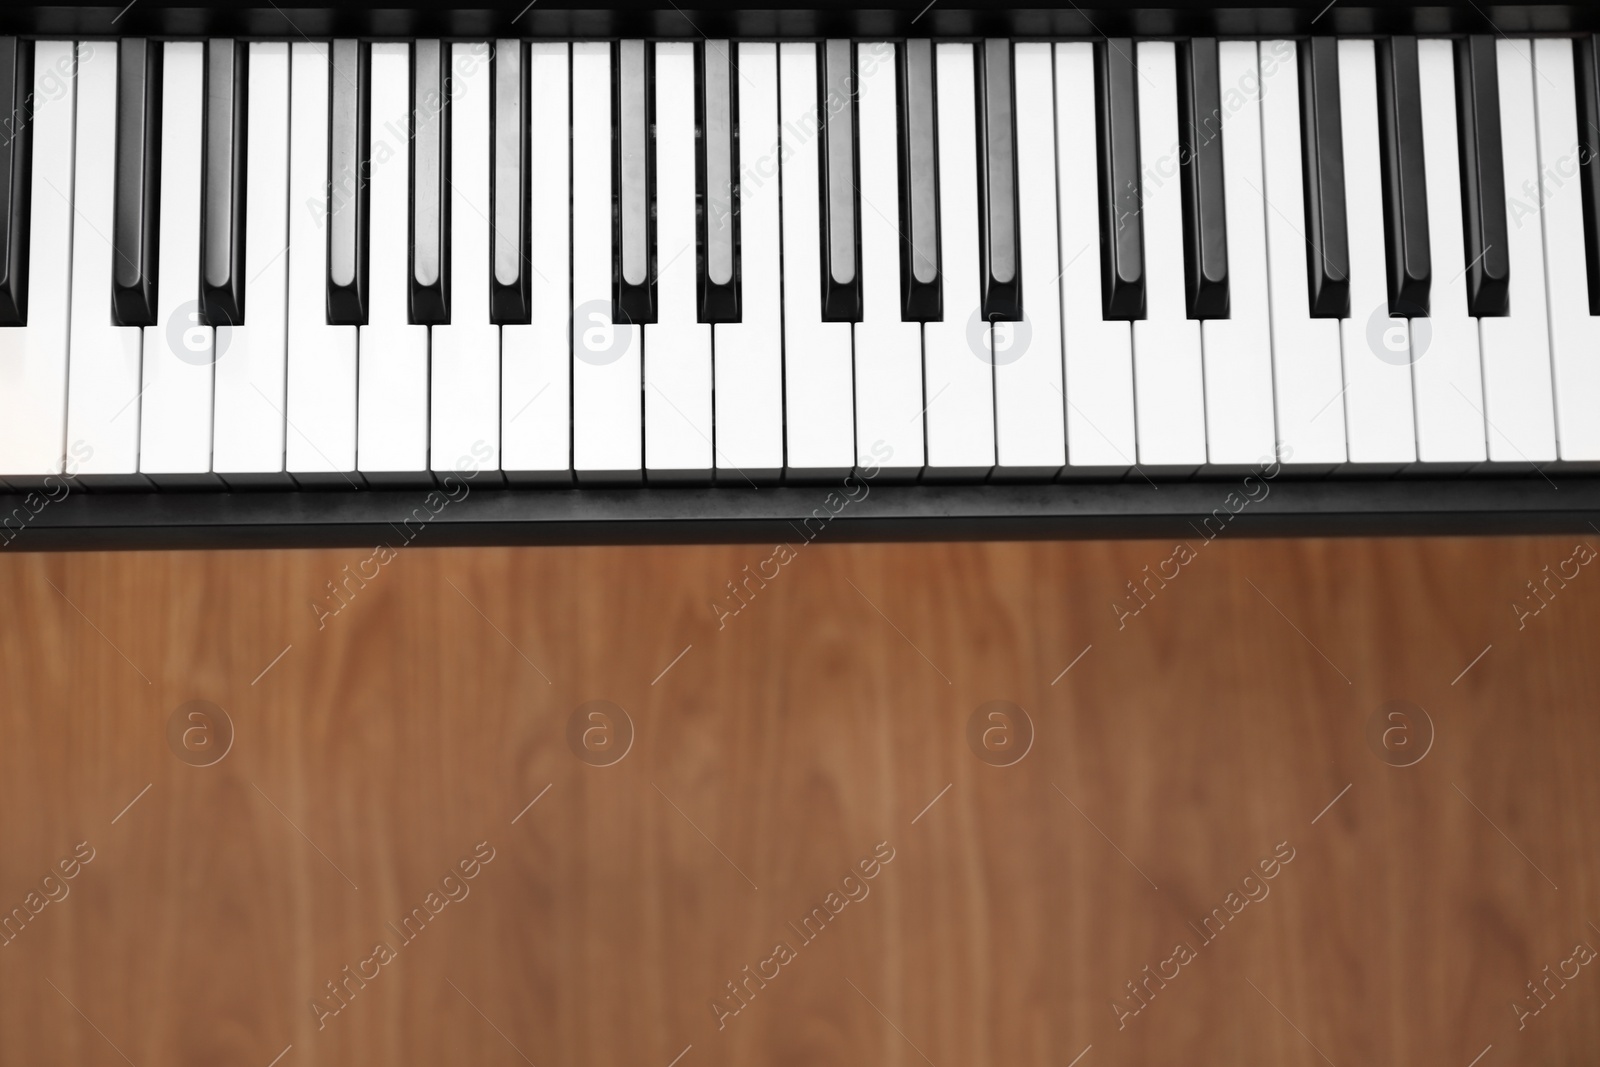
{"x":1212,"y":851}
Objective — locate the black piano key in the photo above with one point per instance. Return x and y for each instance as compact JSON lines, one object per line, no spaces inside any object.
{"x":841,"y":225}
{"x":349,"y":139}
{"x":1483,"y":178}
{"x":16,"y":174}
{"x":508,"y":190}
{"x":1588,"y":61}
{"x":635,"y":172}
{"x":1405,"y":192}
{"x":1121,"y":218}
{"x":998,"y":241}
{"x":921,"y":291}
{"x":223,"y":184}
{"x":1322,"y":153}
{"x":718,"y":166}
{"x":138,"y":182}
{"x":430,"y":186}
{"x":1205,"y":218}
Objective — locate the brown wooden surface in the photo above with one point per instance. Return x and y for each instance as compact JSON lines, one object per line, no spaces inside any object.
{"x":770,"y":759}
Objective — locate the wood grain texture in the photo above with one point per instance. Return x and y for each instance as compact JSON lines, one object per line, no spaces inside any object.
{"x":772,"y":754}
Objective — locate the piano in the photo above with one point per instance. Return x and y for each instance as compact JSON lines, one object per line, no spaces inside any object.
{"x":517,"y":273}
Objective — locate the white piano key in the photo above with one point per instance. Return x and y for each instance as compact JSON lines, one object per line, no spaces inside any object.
{"x":1379,"y":430}
{"x":392,"y":363}
{"x":1446,"y":373}
{"x":465,"y":397}
{"x":1168,"y":381}
{"x":320,"y":414}
{"x":1574,"y":332}
{"x":607,"y":417}
{"x":959,"y":382}
{"x":818,"y":367}
{"x":33,"y":358}
{"x":248,"y":425}
{"x":1097,"y":352}
{"x":179,"y":350}
{"x":1030,"y":427}
{"x":1238,"y":349}
{"x":888,"y":351}
{"x":1308,"y":376}
{"x":104,"y":376}
{"x":748,"y":354}
{"x":536,"y":358}
{"x":1518,"y":405}
{"x":677,"y":346}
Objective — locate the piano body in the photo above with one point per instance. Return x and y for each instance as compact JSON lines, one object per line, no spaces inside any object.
{"x":543,"y":272}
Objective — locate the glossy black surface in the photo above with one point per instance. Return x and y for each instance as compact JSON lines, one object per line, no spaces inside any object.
{"x":482,"y":514}
{"x":134,"y":229}
{"x":880,"y":19}
{"x":1483,"y":178}
{"x":999,"y":242}
{"x":222,"y":178}
{"x":1405,"y":187}
{"x":635,"y":270}
{"x":922,"y":291}
{"x":717,"y":174}
{"x":1588,"y":81}
{"x":349,"y":164}
{"x":1322,"y":154}
{"x":1121,"y":204}
{"x":508,"y":185}
{"x":841,"y":228}
{"x":920,"y":288}
{"x":16,"y":174}
{"x":1205,"y":216}
{"x":430,"y":187}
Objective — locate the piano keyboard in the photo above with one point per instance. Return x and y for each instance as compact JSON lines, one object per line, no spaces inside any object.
{"x":364,"y":265}
{"x":351,"y":264}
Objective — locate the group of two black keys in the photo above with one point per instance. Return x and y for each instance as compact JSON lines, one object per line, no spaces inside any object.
{"x":1201,"y":149}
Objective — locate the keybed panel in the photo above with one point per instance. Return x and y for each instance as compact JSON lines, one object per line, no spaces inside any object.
{"x":348,"y":264}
